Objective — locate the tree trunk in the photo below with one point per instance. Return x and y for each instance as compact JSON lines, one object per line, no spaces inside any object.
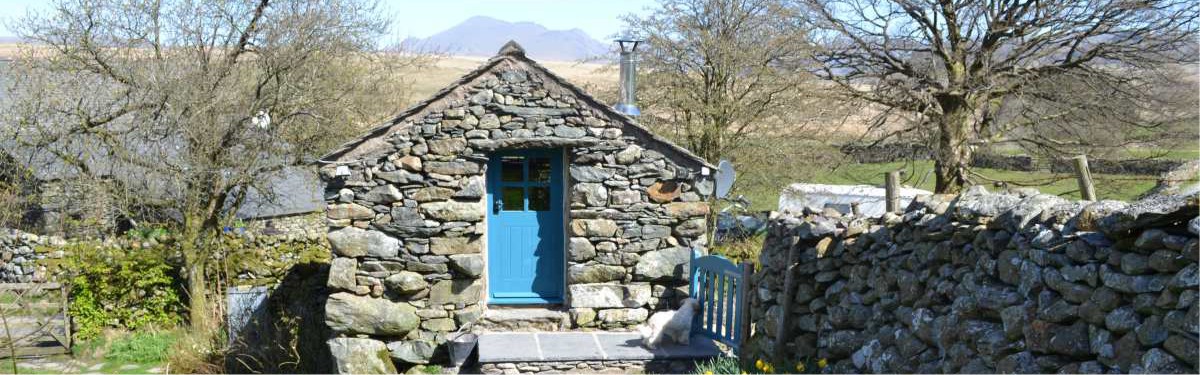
{"x":953,"y":155}
{"x":197,"y":296}
{"x":193,"y":269}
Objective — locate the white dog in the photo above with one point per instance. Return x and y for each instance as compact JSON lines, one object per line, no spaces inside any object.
{"x":670,"y":326}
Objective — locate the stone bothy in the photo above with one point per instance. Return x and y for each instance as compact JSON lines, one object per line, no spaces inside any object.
{"x":509,"y":187}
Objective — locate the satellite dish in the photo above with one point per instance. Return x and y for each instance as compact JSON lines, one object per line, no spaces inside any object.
{"x":725,"y":177}
{"x":261,"y":120}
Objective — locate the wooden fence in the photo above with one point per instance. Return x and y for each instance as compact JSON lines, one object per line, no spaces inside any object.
{"x":34,"y":320}
{"x":720,"y":287}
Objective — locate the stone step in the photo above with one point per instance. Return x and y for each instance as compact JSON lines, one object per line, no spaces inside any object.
{"x":524,"y":319}
{"x":517,"y":347}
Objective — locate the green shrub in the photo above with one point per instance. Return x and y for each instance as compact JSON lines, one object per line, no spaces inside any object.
{"x":114,"y":287}
{"x":142,"y":347}
{"x":743,"y":250}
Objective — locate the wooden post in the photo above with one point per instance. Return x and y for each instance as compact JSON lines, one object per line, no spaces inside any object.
{"x":855,"y":210}
{"x":785,"y":303}
{"x":891,"y":190}
{"x":64,"y":294}
{"x":1086,"y":189}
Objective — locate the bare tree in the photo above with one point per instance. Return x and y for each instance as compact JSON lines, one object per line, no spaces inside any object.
{"x":718,"y":72}
{"x":1053,"y":76}
{"x":192,"y":104}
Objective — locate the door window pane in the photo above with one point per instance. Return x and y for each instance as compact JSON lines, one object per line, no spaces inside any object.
{"x":513,"y":198}
{"x":539,"y":198}
{"x":511,"y":168}
{"x":539,"y":170}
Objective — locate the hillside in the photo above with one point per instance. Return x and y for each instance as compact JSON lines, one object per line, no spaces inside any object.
{"x":482,"y":36}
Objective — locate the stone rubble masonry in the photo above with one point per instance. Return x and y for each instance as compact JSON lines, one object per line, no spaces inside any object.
{"x":411,"y":212}
{"x":987,"y":283}
{"x":21,"y":254}
{"x":28,"y":257}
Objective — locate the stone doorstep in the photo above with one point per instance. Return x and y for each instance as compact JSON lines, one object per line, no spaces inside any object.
{"x":524,"y":319}
{"x":501,"y":347}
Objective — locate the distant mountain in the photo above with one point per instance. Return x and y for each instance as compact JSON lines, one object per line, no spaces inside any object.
{"x":483,"y":36}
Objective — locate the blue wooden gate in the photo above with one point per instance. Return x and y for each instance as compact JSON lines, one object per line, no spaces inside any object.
{"x":720,"y":287}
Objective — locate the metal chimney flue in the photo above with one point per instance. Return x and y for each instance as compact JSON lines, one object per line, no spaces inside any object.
{"x":627,"y":103}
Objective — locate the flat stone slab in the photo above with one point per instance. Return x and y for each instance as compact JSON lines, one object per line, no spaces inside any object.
{"x":496,"y":347}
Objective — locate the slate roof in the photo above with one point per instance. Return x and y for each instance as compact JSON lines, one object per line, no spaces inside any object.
{"x":513,"y":53}
{"x":293,"y":190}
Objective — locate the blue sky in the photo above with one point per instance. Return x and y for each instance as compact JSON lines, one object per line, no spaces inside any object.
{"x":422,"y":18}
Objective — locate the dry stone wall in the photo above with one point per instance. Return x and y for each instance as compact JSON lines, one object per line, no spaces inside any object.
{"x":407,"y":224}
{"x":21,"y":253}
{"x":260,"y":260}
{"x":986,"y":283}
{"x":297,"y":227}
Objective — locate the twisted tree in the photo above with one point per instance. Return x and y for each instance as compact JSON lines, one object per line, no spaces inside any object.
{"x":1049,"y":76}
{"x":193,"y":104}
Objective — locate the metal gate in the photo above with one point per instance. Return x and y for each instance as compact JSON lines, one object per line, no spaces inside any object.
{"x":720,"y":287}
{"x":244,"y":305}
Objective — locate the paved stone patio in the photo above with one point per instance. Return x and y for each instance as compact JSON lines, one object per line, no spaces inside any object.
{"x":583,"y":346}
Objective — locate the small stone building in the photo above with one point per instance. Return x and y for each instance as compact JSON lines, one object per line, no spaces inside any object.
{"x":511,"y":188}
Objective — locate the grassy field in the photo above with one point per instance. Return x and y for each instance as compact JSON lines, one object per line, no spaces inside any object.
{"x":919,"y":174}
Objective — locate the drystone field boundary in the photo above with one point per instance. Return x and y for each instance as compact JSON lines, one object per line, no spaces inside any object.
{"x":982,"y":283}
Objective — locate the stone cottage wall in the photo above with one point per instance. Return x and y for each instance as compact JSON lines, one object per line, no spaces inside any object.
{"x":407,"y":225}
{"x":987,"y":283}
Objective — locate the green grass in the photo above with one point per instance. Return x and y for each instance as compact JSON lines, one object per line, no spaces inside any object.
{"x":1131,"y":153}
{"x":118,"y":352}
{"x":142,"y":347}
{"x":919,"y":174}
{"x":1176,"y":154}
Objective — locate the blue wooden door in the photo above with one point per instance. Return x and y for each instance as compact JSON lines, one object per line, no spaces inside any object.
{"x":525,"y":227}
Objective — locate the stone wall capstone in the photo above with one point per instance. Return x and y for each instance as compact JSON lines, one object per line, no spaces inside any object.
{"x":988,"y":283}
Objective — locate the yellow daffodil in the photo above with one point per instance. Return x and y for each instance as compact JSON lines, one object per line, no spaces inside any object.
{"x":768,"y":368}
{"x":759,"y":364}
{"x":708,"y":373}
{"x":822,"y":363}
{"x":800,"y":367}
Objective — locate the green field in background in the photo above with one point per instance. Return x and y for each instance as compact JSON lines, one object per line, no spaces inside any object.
{"x":919,"y":174}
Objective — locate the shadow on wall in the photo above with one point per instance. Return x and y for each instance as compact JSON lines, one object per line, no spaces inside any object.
{"x":287,"y":333}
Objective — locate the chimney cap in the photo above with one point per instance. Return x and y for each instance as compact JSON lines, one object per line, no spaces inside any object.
{"x":511,"y":48}
{"x":632,"y":44}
